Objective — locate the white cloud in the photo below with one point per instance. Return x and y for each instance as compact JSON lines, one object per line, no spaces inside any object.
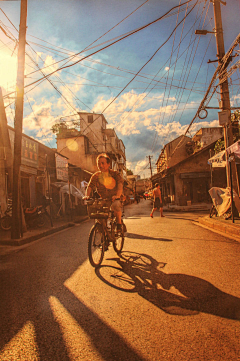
{"x":131,"y":112}
{"x":139,"y":168}
{"x":40,"y":121}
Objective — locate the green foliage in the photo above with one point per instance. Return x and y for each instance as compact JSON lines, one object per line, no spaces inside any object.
{"x":236,"y":115}
{"x":129,"y":172}
{"x":219,"y":146}
{"x":58,"y":128}
{"x":235,"y":118}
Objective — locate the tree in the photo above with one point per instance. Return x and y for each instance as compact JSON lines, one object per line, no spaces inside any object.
{"x":129,"y":172}
{"x":58,"y":128}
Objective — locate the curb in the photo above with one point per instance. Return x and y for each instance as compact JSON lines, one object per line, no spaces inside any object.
{"x":229,"y":229}
{"x":186,"y":209}
{"x":28,"y":239}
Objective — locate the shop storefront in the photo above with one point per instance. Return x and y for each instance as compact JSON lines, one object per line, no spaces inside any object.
{"x":28,"y":168}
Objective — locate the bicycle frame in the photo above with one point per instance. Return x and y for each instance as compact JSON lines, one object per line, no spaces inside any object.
{"x":103,"y":231}
{"x":102,"y":214}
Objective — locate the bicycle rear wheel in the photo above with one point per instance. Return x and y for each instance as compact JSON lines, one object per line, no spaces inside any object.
{"x":41,"y":221}
{"x":96,"y":242}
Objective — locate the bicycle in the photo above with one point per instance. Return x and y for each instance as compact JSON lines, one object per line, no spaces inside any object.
{"x":103,"y":232}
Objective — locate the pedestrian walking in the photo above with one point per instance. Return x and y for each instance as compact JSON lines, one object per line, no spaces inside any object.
{"x":157,"y":200}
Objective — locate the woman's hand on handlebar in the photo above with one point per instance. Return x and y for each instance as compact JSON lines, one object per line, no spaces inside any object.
{"x":86,"y":198}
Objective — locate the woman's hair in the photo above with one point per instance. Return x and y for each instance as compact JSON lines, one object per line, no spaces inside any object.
{"x":157,"y":184}
{"x":104,"y":155}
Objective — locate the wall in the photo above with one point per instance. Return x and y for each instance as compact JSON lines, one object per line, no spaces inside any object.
{"x":196,"y":186}
{"x":74,"y":150}
{"x":169,"y":156}
{"x":207,"y":136}
{"x":179,"y":154}
{"x":94,"y":131}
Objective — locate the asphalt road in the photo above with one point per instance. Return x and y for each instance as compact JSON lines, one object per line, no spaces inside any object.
{"x":174,"y":294}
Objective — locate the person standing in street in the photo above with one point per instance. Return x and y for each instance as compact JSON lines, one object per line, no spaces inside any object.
{"x":157,"y":200}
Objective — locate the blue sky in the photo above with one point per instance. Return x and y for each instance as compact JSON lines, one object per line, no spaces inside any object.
{"x":156,"y":106}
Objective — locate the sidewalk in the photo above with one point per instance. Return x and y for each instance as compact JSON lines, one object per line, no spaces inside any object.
{"x":222,"y":225}
{"x":217,"y":224}
{"x":34,"y":234}
{"x":193,"y":208}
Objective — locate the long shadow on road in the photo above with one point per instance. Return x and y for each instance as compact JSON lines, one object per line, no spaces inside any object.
{"x":27,"y":288}
{"x":143,"y":274}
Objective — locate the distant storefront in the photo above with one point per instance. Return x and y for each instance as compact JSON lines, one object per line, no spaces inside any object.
{"x":28,"y":168}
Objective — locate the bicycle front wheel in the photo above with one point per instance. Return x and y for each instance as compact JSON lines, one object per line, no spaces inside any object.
{"x":119,"y":242}
{"x":96,"y":245}
{"x":6,"y":223}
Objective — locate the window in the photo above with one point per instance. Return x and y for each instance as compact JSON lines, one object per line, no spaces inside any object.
{"x":90,"y":118}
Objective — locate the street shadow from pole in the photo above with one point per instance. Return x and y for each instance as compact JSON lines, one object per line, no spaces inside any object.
{"x":25,"y":307}
{"x":176,"y":294}
{"x":140,"y":236}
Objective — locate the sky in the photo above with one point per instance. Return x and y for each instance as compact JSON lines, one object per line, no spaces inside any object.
{"x":148,"y":84}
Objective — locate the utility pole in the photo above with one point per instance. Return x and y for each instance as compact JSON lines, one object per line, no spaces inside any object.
{"x":225,"y":105}
{"x":5,"y":158}
{"x":224,"y":91}
{"x":17,"y":214}
{"x":149,"y":157}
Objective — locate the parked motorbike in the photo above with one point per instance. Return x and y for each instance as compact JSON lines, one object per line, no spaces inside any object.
{"x":35,"y":216}
{"x":6,"y":220}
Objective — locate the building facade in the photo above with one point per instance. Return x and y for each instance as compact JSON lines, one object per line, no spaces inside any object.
{"x":183,"y":170}
{"x":83,"y":146}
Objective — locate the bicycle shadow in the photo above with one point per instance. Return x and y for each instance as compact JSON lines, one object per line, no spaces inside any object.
{"x":176,"y":294}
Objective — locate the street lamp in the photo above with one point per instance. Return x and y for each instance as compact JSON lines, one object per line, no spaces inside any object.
{"x":204,"y":32}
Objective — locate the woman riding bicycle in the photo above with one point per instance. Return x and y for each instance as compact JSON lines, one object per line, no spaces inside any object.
{"x":109,"y":185}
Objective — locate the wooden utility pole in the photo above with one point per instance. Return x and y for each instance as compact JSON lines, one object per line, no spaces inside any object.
{"x":224,"y":91}
{"x":16,"y":215}
{"x":8,"y":156}
{"x":149,"y":157}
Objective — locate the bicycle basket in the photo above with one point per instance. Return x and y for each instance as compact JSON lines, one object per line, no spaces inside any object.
{"x":98,"y":210}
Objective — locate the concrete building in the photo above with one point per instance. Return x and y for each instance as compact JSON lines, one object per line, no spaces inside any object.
{"x":206,"y":136}
{"x":82,"y":146}
{"x":172,"y":153}
{"x":183,"y":170}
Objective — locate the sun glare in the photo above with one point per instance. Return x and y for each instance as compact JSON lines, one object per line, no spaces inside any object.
{"x":8,"y":70}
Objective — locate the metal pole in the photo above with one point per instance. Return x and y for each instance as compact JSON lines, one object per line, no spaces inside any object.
{"x":16,"y":221}
{"x":231,"y":192}
{"x":49,"y":197}
{"x":210,"y":154}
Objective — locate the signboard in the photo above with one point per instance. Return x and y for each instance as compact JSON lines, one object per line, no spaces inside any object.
{"x":61,"y":167}
{"x":223,"y":117}
{"x":218,"y":160}
{"x":29,"y":155}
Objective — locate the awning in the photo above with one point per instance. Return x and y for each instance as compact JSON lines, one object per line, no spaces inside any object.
{"x":234,"y":148}
{"x":64,"y":188}
{"x":218,"y":160}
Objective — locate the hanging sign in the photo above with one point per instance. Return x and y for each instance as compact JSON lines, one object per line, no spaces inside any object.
{"x":61,"y":167}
